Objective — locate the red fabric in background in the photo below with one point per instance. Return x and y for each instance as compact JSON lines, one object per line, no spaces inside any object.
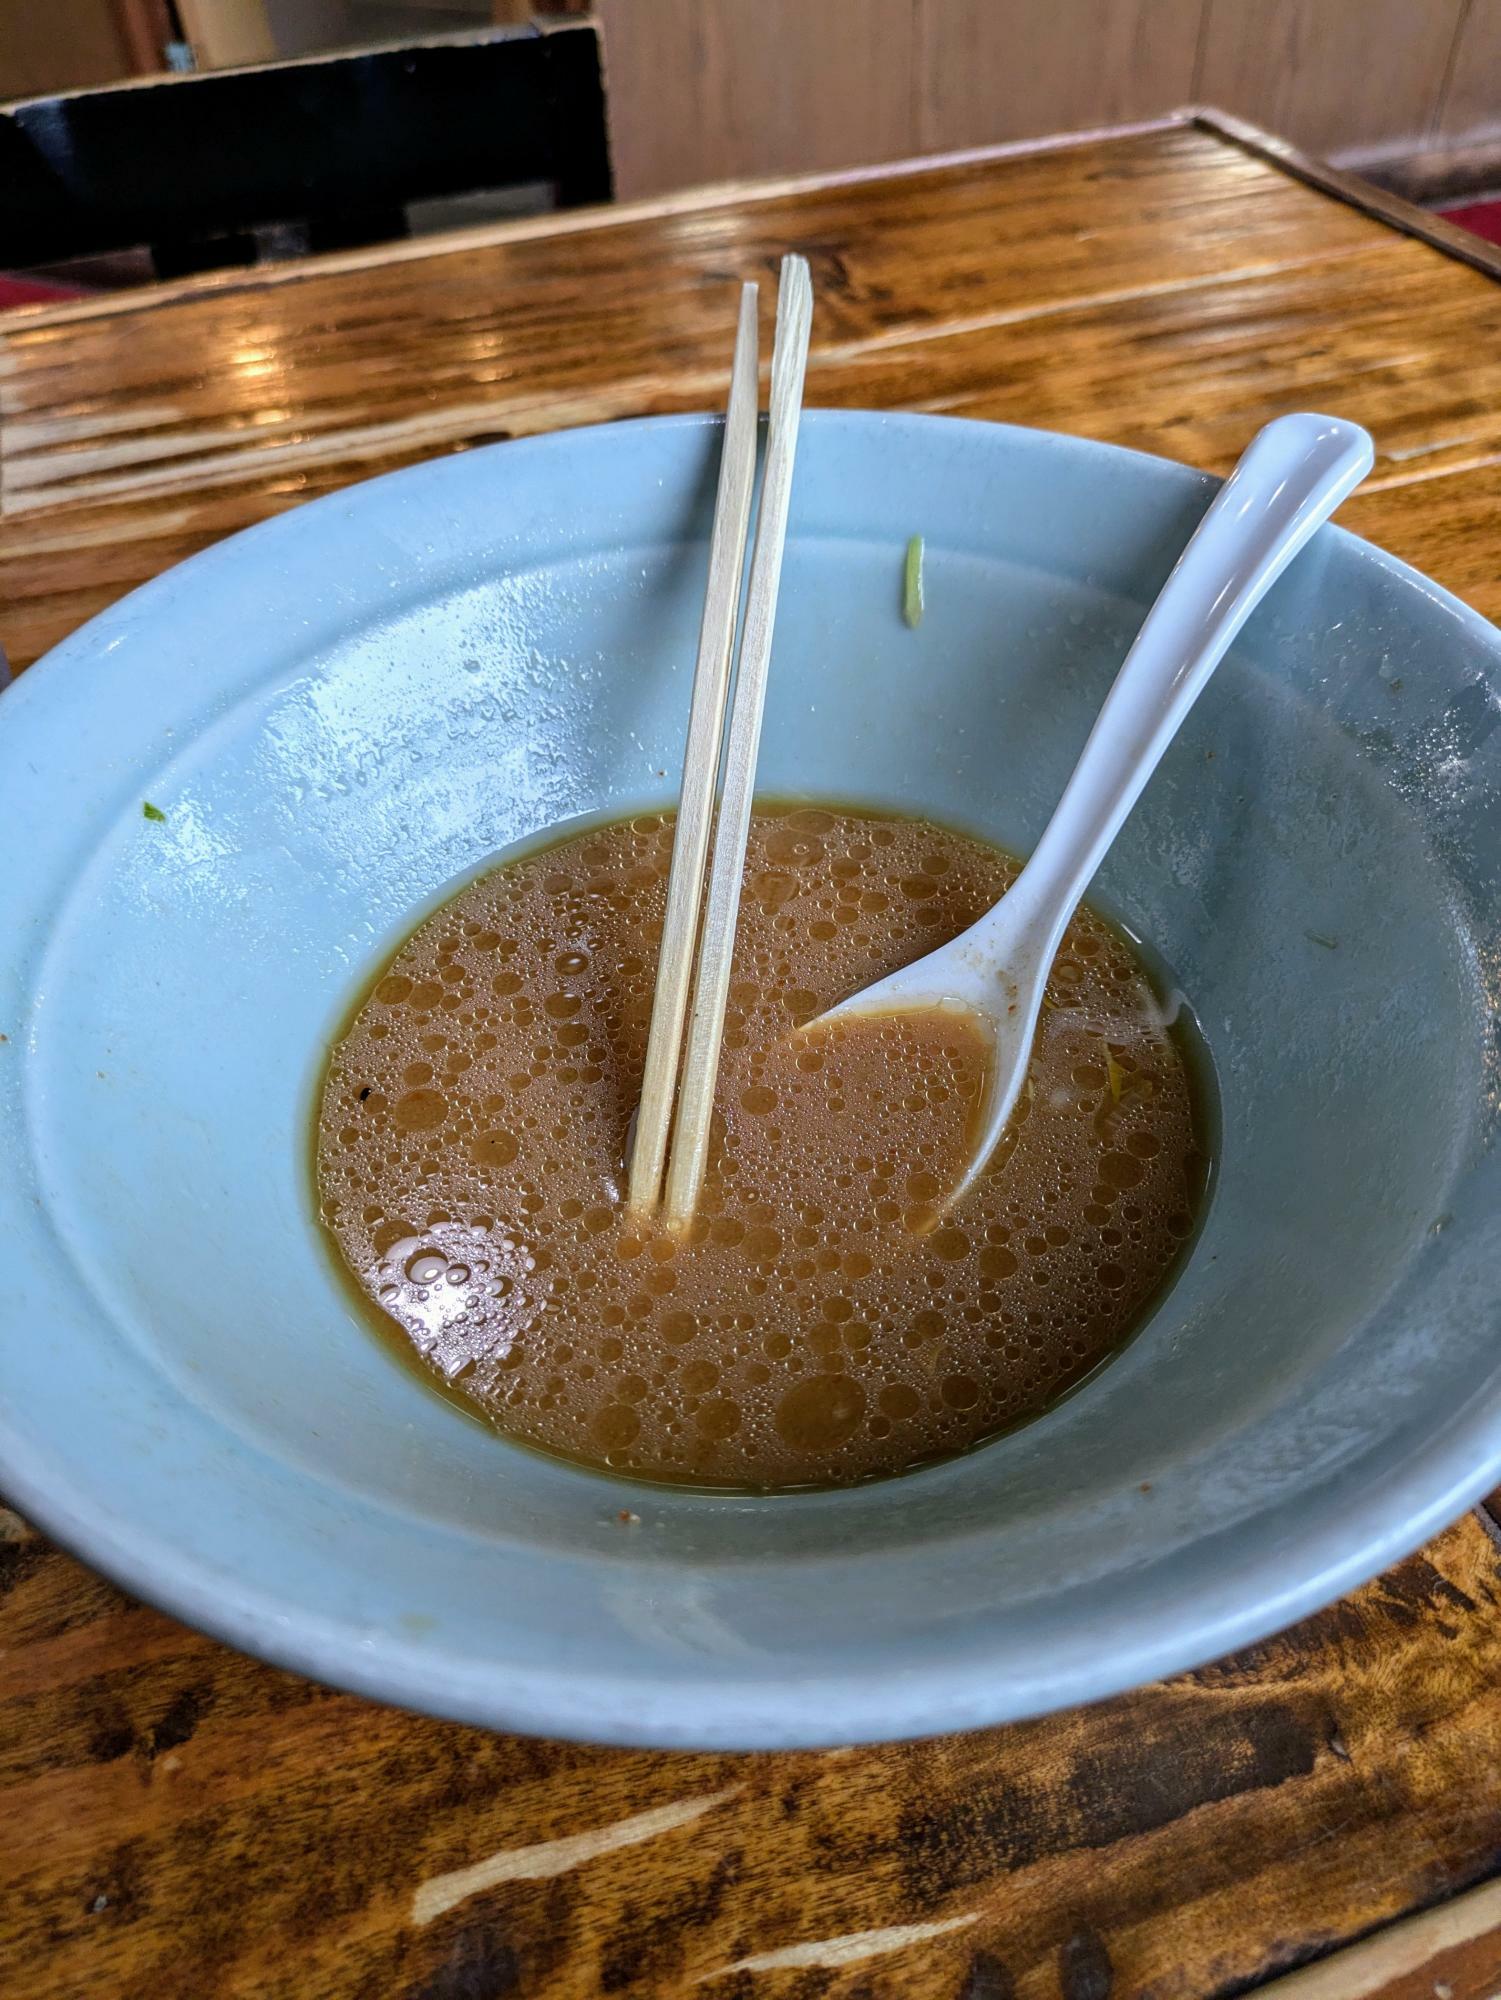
{"x":1481,"y":218}
{"x":35,"y":292}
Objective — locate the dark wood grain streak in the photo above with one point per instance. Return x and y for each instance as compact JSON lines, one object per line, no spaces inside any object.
{"x":179,"y":1822}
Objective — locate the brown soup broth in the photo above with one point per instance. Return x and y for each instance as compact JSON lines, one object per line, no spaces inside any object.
{"x":824,"y":1320}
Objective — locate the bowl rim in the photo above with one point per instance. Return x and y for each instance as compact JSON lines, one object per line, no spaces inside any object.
{"x":1442,"y":1476}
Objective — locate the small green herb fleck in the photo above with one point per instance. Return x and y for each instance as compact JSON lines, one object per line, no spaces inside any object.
{"x":912,"y":602}
{"x":149,"y":811}
{"x":1317,"y":937}
{"x":1116,"y":1075}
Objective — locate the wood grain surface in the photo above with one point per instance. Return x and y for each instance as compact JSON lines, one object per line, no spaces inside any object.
{"x":1450,"y":1952}
{"x":182,"y":1821}
{"x":1166,"y":291}
{"x":176,"y":1820}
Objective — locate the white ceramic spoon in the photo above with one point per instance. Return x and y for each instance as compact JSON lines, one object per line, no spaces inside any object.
{"x":1292,"y":477}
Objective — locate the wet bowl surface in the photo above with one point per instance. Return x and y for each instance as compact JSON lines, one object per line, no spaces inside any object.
{"x":345,"y":711}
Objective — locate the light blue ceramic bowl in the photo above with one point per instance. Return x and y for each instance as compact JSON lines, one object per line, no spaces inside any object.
{"x":345,"y":710}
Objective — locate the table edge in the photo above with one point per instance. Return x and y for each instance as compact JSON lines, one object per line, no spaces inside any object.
{"x":1398,"y":214}
{"x":1396,"y":1952}
{"x":1377,"y":202}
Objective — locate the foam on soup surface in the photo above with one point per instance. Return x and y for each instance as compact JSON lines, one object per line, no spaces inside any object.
{"x":825,"y":1319}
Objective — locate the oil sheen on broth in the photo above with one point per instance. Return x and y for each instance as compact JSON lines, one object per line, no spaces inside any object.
{"x":821,"y":1322}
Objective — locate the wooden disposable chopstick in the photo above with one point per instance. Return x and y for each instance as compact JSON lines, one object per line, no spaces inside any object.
{"x":690,"y":1132}
{"x":690,"y":843}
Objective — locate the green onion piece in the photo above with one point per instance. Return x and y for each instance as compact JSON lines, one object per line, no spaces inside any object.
{"x":149,"y":811}
{"x":912,"y":605}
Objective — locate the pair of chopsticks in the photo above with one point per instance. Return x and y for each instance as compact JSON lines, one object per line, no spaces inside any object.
{"x":677,"y":1088}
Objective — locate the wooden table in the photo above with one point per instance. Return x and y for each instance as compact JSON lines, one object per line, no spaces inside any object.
{"x":176,"y":1820}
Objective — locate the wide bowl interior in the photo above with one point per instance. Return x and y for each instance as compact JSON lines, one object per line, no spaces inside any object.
{"x":349,"y":709}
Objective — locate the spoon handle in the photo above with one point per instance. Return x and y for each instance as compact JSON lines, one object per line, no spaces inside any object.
{"x":1290,"y":479}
